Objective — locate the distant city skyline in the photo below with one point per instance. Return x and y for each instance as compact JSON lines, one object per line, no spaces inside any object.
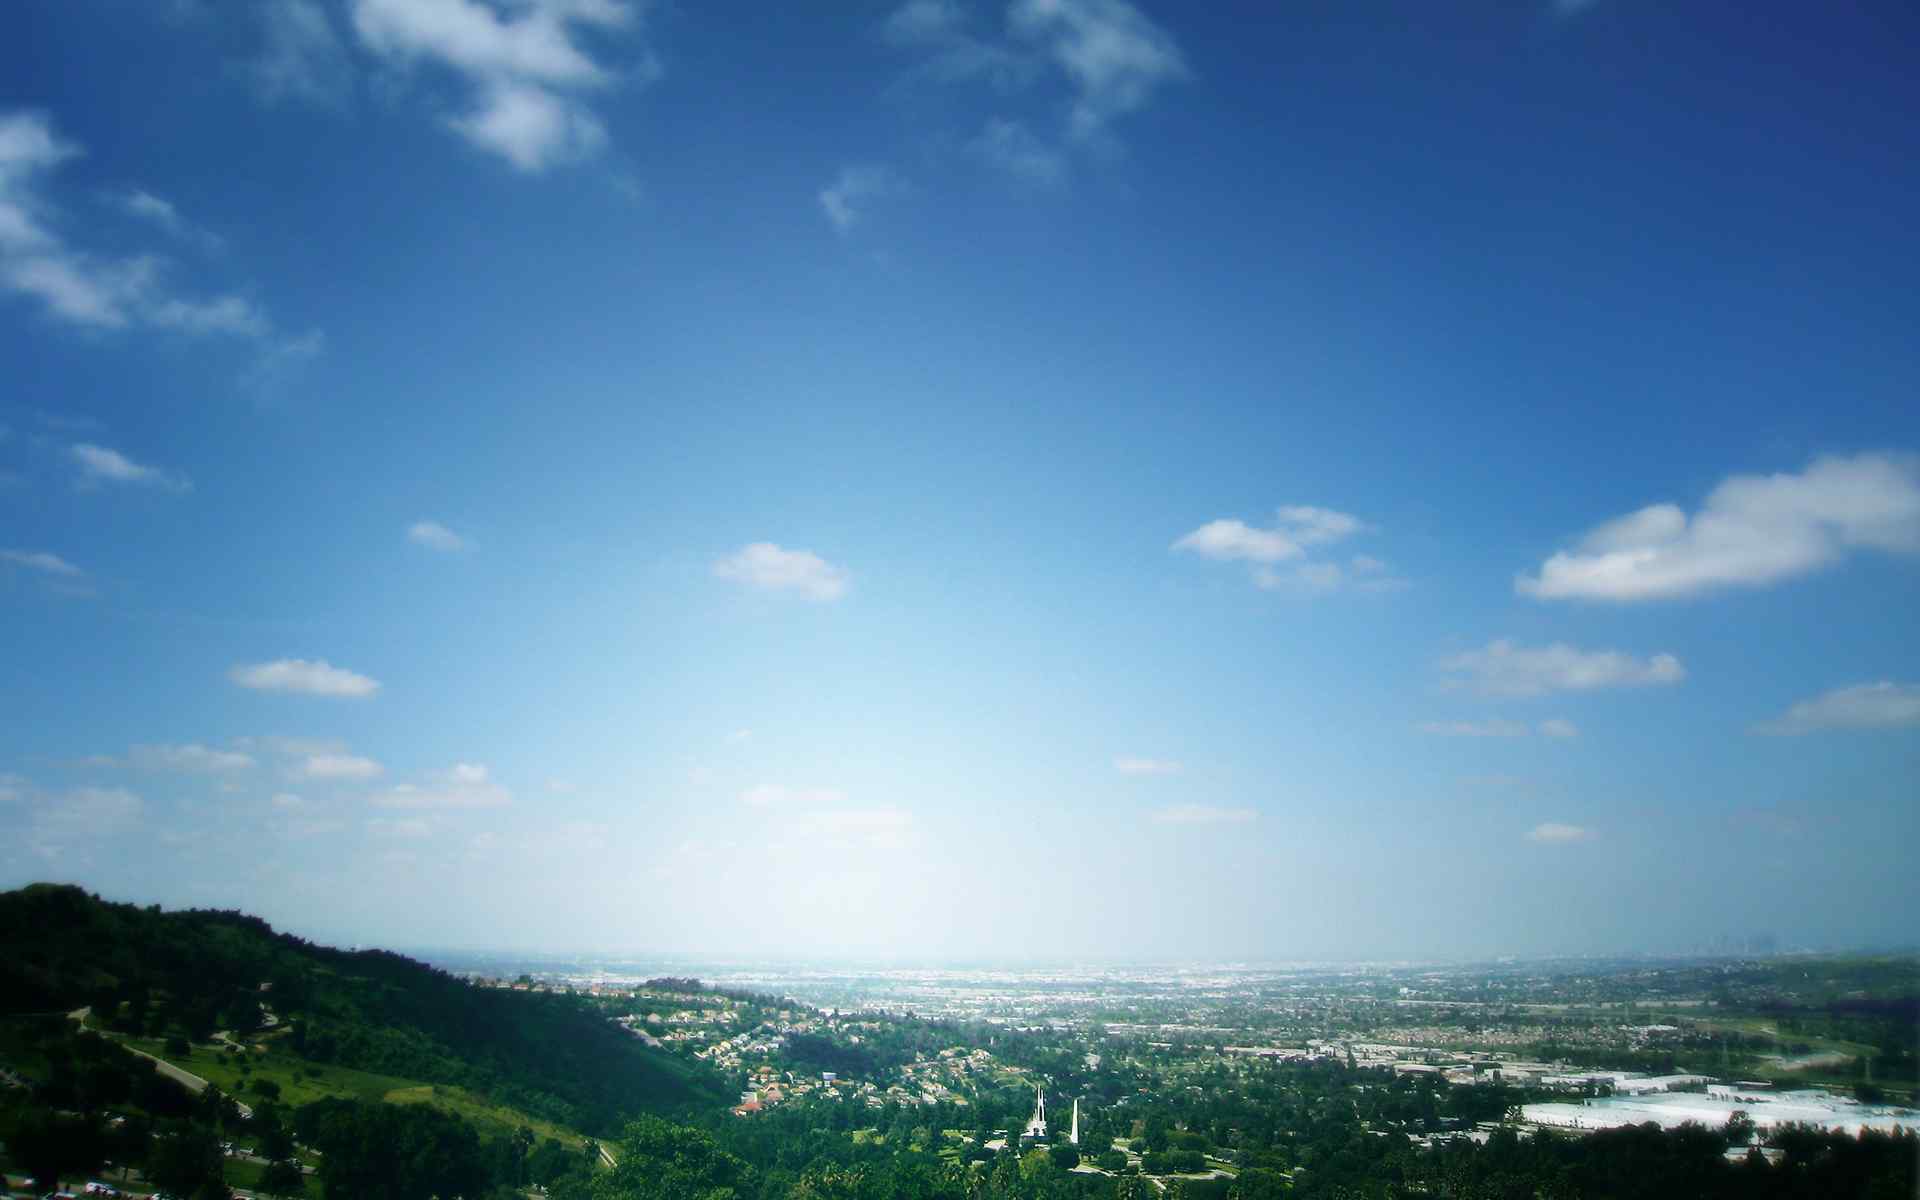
{"x":917,"y":482}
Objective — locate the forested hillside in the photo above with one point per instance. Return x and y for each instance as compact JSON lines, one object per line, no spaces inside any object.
{"x":148,"y":973}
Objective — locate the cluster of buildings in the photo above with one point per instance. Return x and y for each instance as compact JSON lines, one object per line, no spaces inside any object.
{"x":1716,"y":1105}
{"x":768,"y":1088}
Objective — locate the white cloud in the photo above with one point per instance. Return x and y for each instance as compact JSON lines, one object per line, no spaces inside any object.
{"x":189,"y":757}
{"x":78,"y":286}
{"x":1883,"y":705}
{"x":1113,"y":55}
{"x":40,"y":560}
{"x":435,"y":536}
{"x":337,"y":767}
{"x":1008,"y":145}
{"x":1753,"y":530}
{"x":1231,"y":538}
{"x":1505,"y":669}
{"x":1559,"y":727}
{"x":1296,"y":527}
{"x":463,"y":785}
{"x":524,"y":69}
{"x":302,"y":58}
{"x":845,"y":199}
{"x":1146,"y":766}
{"x":1492,"y":727}
{"x":767,"y":566}
{"x":288,"y":802}
{"x":315,"y":678}
{"x":13,"y":788}
{"x":99,"y":464}
{"x":1554,"y":833}
{"x":1296,"y":530}
{"x":774,"y":795}
{"x":1201,"y":814}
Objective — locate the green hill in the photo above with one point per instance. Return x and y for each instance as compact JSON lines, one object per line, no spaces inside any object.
{"x":151,"y":975}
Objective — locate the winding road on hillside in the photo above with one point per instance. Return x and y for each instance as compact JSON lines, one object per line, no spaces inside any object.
{"x":185,"y":1078}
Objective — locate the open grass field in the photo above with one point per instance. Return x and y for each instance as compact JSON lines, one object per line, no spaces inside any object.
{"x":301,"y":1082}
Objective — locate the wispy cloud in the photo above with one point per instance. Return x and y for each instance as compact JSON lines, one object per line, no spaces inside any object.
{"x":302,"y":57}
{"x":525,"y":71}
{"x":40,"y":560}
{"x":1493,"y":727}
{"x":1146,"y":766}
{"x":103,"y":465}
{"x":1559,"y":727}
{"x":1555,"y":833}
{"x":161,"y":213}
{"x":1752,"y":531}
{"x":846,"y":199}
{"x":188,"y":757}
{"x":1201,"y":814}
{"x":1883,"y":705}
{"x":463,"y":785}
{"x":435,"y":536}
{"x":1109,"y":57}
{"x":313,"y":678}
{"x":338,"y":768}
{"x":1008,"y":145}
{"x":769,"y":567}
{"x":1503,"y":668}
{"x":86,"y":288}
{"x":1114,"y":57}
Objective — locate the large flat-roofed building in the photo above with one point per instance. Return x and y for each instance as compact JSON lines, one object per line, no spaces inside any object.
{"x":1670,"y":1110}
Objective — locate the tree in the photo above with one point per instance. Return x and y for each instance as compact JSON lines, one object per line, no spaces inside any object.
{"x":283,"y":1178}
{"x":1064,"y":1156}
{"x":186,"y":1162}
{"x":52,"y":1146}
{"x":663,"y":1161}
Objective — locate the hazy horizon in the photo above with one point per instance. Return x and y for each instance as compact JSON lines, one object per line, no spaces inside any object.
{"x":927,"y":481}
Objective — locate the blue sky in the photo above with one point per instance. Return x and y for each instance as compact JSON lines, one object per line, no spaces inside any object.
{"x":1055,"y":478}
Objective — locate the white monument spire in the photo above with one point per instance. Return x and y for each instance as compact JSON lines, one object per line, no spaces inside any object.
{"x":1073,"y":1135}
{"x":1037,"y":1128}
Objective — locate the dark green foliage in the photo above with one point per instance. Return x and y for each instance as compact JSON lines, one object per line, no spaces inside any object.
{"x":53,"y":1146}
{"x":186,"y":1162}
{"x":659,"y":1161}
{"x":192,"y":972}
{"x":1063,"y":1156}
{"x":1172,"y":1162}
{"x":283,"y":1178}
{"x":392,"y":1152}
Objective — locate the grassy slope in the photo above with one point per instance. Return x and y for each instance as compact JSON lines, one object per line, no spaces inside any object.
{"x":393,"y":1028}
{"x":298,"y":1086}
